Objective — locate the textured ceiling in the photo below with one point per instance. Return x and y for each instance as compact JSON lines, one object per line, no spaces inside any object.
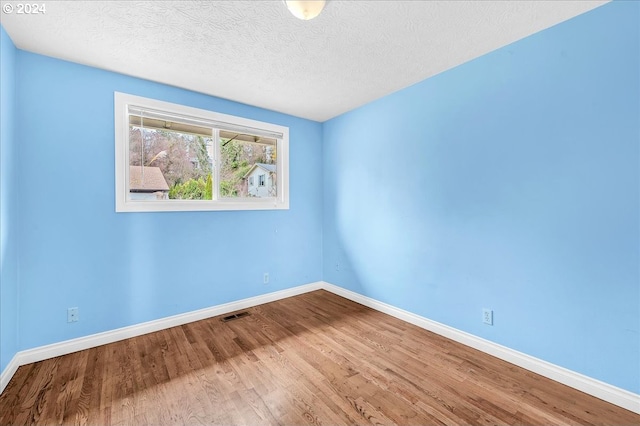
{"x":257,"y":53}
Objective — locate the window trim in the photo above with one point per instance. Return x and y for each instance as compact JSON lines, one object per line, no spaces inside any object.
{"x":124,"y":102}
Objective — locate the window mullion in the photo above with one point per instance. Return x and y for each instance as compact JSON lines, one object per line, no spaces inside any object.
{"x":216,"y":164}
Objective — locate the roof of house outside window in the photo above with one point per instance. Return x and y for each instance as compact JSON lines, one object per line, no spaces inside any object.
{"x":153,"y":179}
{"x":267,"y":167}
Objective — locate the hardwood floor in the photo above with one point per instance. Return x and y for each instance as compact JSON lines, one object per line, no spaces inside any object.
{"x":311,"y":359}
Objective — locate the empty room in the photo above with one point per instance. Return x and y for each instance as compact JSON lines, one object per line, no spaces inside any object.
{"x":327,"y":213}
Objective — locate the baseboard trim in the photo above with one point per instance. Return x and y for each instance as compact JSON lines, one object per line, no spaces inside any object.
{"x":591,"y":386}
{"x":604,"y":391}
{"x":69,"y":346}
{"x":8,"y":372}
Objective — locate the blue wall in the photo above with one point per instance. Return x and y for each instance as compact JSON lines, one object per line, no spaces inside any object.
{"x":8,"y":205}
{"x":510,"y":182}
{"x":127,"y":268}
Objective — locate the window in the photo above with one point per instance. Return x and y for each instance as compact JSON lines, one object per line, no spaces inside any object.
{"x":171,"y":157}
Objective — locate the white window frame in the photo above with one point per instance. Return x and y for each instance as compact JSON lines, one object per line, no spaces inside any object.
{"x":124,"y":102}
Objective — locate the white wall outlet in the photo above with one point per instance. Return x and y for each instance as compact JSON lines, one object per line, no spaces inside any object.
{"x":265,"y":278}
{"x":487,"y":316}
{"x":73,"y":315}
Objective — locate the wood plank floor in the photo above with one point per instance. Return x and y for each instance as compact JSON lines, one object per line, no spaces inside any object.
{"x":313,"y":359}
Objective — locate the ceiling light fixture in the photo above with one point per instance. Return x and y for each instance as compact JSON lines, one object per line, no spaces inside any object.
{"x":305,"y":10}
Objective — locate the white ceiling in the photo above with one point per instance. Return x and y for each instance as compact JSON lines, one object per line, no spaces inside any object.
{"x":257,"y":53}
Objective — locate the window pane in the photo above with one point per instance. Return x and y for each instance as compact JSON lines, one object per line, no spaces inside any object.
{"x":247,"y":166}
{"x":167,"y":165}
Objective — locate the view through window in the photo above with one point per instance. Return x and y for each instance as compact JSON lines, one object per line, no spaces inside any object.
{"x":173,"y":157}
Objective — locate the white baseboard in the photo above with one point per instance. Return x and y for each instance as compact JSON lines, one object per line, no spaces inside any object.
{"x":604,"y":391}
{"x":69,"y":346}
{"x":607,"y":392}
{"x":8,"y":372}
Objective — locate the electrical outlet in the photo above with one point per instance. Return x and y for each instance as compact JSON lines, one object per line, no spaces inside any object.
{"x":487,"y":316}
{"x":73,"y":315}
{"x":265,"y":278}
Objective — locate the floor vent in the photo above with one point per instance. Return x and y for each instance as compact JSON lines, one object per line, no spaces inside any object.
{"x":235,"y":316}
